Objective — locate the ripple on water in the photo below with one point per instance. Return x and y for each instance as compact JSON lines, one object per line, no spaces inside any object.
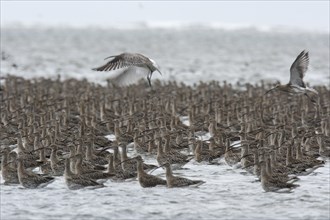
{"x":227,"y":194}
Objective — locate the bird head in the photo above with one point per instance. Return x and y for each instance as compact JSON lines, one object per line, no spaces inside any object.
{"x":155,"y":65}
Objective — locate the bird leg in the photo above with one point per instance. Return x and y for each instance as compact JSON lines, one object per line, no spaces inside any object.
{"x":149,"y":78}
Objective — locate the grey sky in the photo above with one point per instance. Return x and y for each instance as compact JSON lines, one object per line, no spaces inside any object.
{"x":310,"y":15}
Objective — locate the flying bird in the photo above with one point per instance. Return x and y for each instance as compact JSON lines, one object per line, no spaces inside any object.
{"x":129,"y":65}
{"x":296,"y":84}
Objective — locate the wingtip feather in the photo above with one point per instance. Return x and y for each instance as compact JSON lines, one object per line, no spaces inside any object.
{"x":97,"y":69}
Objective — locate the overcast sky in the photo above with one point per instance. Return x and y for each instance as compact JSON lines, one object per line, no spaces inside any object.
{"x":309,"y":15}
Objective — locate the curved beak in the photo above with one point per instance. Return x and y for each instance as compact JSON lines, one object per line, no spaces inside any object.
{"x":159,"y":71}
{"x":270,"y":90}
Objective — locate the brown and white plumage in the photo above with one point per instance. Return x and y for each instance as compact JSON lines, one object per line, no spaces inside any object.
{"x":147,"y":180}
{"x":298,"y":69}
{"x":90,"y":174}
{"x":296,"y":84}
{"x":171,"y":156}
{"x":119,"y":173}
{"x":31,"y":180}
{"x":130,"y":65}
{"x":273,"y":184}
{"x":130,"y":165}
{"x":76,"y":181}
{"x":56,"y":165}
{"x":176,"y":181}
{"x":9,"y":174}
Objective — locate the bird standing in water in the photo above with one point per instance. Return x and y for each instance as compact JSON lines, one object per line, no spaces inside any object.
{"x":130,"y":64}
{"x":296,"y":84}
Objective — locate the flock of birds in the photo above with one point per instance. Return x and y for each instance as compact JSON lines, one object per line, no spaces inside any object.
{"x":61,"y":127}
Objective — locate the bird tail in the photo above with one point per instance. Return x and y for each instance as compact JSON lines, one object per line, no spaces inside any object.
{"x":197,"y":183}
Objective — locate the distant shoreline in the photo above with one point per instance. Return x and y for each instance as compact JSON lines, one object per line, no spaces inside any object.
{"x":169,"y":26}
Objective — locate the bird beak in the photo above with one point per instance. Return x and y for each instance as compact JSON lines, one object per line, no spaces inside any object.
{"x":156,"y":168}
{"x":270,"y":90}
{"x":159,"y":71}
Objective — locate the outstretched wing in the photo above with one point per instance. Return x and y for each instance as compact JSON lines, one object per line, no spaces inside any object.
{"x":123,"y":60}
{"x":299,"y":68}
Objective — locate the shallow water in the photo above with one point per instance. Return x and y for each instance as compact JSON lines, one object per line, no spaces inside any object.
{"x":227,"y":194}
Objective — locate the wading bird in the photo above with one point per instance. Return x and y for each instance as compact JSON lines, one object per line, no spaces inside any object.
{"x":296,"y":84}
{"x":130,"y":65}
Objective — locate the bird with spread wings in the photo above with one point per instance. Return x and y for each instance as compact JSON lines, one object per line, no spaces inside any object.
{"x":296,"y":84}
{"x":129,"y":66}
